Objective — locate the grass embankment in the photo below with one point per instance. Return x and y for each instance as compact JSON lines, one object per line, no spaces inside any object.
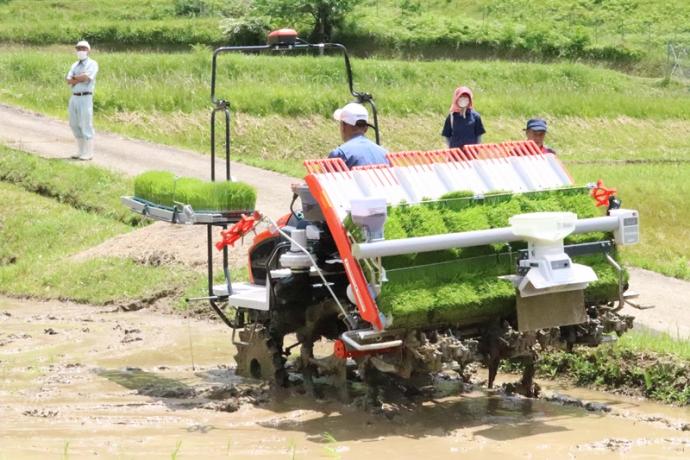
{"x":619,"y":32}
{"x":652,"y":364}
{"x":39,"y":234}
{"x":659,"y":192}
{"x":156,"y":23}
{"x":284,"y":106}
{"x":616,"y":31}
{"x":86,"y":188}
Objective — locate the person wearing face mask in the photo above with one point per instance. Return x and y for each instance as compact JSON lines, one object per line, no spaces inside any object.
{"x":82,"y":79}
{"x":463,"y":124}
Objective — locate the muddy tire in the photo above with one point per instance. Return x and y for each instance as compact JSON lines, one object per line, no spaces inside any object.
{"x":260,"y":357}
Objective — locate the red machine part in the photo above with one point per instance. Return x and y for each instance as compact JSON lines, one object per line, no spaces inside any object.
{"x":601,"y":194}
{"x":366,"y":305}
{"x":237,"y":231}
{"x":340,"y":351}
{"x":261,"y":236}
{"x":282,"y":37}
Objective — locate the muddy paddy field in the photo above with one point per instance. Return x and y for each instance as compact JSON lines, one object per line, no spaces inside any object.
{"x":79,"y":381}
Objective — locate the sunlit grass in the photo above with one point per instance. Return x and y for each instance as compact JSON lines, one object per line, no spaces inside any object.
{"x":658,"y":342}
{"x":88,"y":188}
{"x":659,"y":192}
{"x":37,"y":237}
{"x":263,"y":85}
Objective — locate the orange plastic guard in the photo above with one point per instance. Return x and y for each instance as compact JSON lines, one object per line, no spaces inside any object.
{"x":366,"y":305}
{"x":487,"y":151}
{"x":522,"y":148}
{"x":419,"y":158}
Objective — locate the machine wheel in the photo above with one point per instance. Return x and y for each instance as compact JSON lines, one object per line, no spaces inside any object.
{"x":260,"y":357}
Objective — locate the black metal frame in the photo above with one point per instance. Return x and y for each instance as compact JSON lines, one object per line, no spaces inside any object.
{"x":221,"y":105}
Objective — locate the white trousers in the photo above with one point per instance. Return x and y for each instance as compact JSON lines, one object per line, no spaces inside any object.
{"x":81,"y":116}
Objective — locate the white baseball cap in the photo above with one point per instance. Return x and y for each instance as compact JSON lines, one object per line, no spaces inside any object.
{"x":351,"y":114}
{"x":83,"y":43}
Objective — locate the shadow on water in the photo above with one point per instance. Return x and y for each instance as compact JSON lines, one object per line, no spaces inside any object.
{"x":148,"y":383}
{"x":500,"y":418}
{"x":497,"y":417}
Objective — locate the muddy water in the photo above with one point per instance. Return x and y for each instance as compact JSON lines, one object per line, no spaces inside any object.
{"x":79,"y":381}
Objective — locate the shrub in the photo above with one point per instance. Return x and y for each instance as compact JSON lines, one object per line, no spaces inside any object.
{"x":245,"y":30}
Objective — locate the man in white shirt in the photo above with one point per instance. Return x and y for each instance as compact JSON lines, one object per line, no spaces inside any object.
{"x":82,"y":80}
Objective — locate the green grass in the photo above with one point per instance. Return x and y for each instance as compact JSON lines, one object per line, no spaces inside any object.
{"x":37,"y":238}
{"x":643,"y":362}
{"x":611,"y":30}
{"x":657,"y":342}
{"x":82,"y":187}
{"x":113,"y":22}
{"x":282,"y":107}
{"x":659,"y":192}
{"x":657,"y":369}
{"x":618,"y":31}
{"x":100,"y":281}
{"x":262,"y":85}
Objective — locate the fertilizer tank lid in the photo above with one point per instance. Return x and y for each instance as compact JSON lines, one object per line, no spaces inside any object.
{"x":544,"y":226}
{"x":282,"y":37}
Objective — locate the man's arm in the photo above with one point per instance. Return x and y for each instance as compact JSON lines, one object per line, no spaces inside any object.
{"x":90,"y":71}
{"x":89,"y":74}
{"x":70,"y":77}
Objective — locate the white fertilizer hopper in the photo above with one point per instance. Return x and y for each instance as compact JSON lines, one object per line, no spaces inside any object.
{"x":548,"y":268}
{"x":370,"y":214}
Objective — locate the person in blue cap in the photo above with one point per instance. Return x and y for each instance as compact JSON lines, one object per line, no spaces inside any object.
{"x":357,"y":149}
{"x":536,"y":131}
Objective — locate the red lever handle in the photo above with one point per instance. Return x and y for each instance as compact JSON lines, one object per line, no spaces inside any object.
{"x":237,"y":231}
{"x":601,"y":194}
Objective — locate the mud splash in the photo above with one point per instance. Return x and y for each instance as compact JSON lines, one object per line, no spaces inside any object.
{"x":80,"y":381}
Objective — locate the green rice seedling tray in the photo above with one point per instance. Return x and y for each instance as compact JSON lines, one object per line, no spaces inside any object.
{"x":180,"y":214}
{"x":163,"y":196}
{"x":167,"y":190}
{"x":461,"y":286}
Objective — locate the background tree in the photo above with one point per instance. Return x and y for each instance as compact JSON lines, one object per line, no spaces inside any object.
{"x":322,"y":15}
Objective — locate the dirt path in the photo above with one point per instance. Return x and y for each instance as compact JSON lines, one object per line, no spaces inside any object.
{"x":52,"y":138}
{"x":81,"y":381}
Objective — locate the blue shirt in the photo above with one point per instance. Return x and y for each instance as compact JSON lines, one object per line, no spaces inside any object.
{"x":360,"y":151}
{"x":89,"y":67}
{"x":464,"y":130}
